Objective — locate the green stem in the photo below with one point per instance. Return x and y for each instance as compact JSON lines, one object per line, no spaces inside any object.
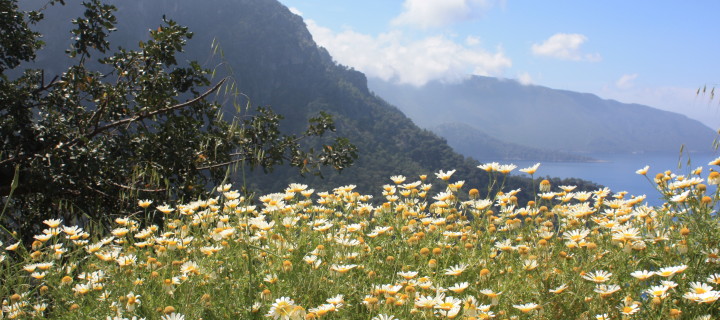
{"x":13,"y":186}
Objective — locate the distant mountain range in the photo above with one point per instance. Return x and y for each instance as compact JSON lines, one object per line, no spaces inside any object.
{"x":467,"y":114}
{"x":477,"y":144}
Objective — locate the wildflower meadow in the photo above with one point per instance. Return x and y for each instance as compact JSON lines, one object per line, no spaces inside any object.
{"x":466,"y":252}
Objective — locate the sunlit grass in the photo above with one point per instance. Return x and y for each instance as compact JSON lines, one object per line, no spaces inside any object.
{"x":301,"y":254}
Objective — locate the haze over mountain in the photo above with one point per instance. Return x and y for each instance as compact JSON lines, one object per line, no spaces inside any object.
{"x":472,"y":142}
{"x":274,"y":61}
{"x":543,"y":118}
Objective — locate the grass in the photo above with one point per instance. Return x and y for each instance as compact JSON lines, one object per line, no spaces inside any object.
{"x":301,"y":254}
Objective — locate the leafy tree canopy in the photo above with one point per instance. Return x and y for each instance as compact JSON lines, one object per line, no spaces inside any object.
{"x":128,"y":125}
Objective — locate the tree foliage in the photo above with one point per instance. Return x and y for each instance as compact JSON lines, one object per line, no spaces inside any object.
{"x":129,"y":124}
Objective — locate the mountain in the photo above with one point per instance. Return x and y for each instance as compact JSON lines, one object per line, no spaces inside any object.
{"x":471,"y":142}
{"x":544,"y":118}
{"x":271,"y":56}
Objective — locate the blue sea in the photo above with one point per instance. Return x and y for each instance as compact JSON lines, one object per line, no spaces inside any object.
{"x":617,"y":171}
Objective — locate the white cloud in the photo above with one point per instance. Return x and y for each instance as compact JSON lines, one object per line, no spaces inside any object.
{"x":626,"y":81}
{"x":472,"y":41}
{"x":438,"y":13}
{"x":565,"y":46}
{"x":392,"y":57}
{"x":296,"y":11}
{"x":525,"y":78}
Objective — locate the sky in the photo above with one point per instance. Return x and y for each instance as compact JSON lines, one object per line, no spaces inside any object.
{"x":657,"y":53}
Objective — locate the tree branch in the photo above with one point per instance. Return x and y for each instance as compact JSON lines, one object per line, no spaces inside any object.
{"x":111,"y":125}
{"x":43,"y":86}
{"x":217,"y":165}
{"x":149,"y":114}
{"x":135,"y":188}
{"x":95,"y":118}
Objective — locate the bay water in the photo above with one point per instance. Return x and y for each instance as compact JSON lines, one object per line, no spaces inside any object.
{"x":617,"y":171}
